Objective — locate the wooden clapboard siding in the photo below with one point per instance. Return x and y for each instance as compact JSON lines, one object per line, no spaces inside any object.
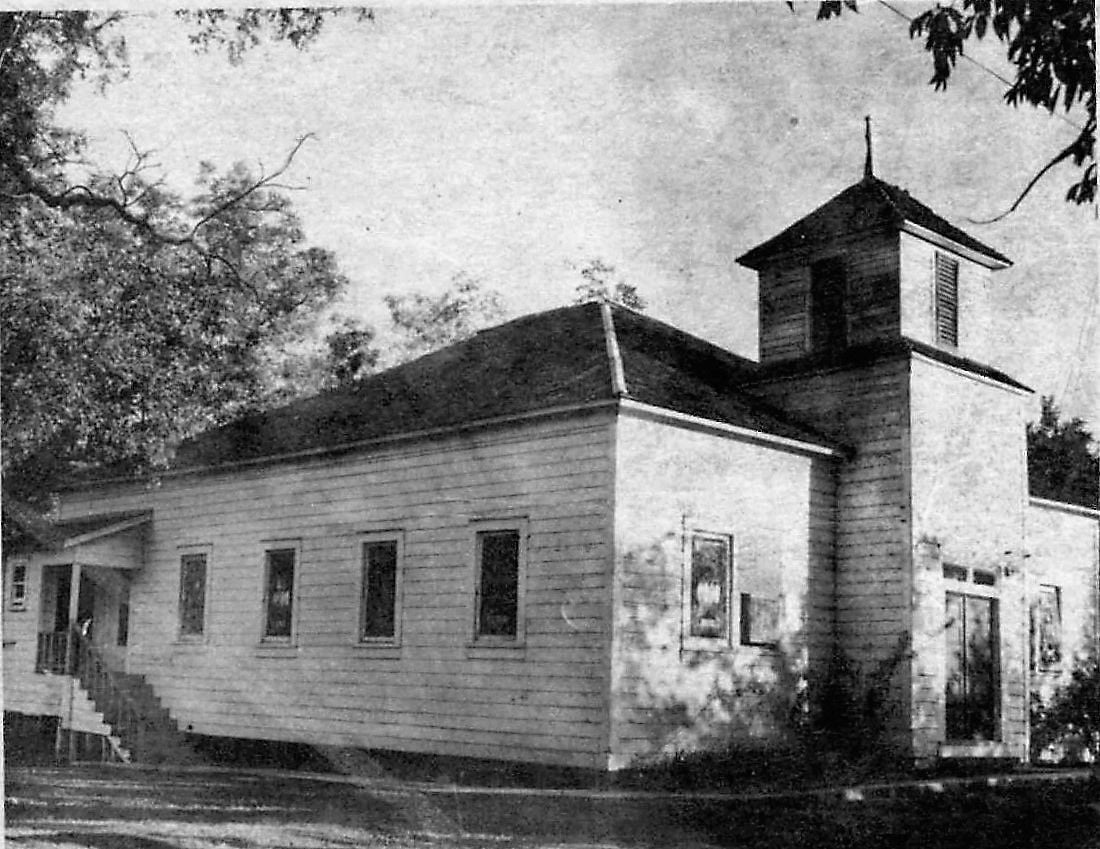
{"x":872,"y":305}
{"x":865,"y":408}
{"x":543,"y":701}
{"x":24,"y":690}
{"x":969,"y":491}
{"x":977,"y":330}
{"x":777,"y":505}
{"x":1063,"y":547}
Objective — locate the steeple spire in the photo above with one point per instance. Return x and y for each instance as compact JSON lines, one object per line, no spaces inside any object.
{"x":868,"y":166}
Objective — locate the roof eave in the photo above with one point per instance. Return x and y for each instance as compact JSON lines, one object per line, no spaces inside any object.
{"x":990,"y":258}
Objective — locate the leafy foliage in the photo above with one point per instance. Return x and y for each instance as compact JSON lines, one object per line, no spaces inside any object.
{"x":116,"y":343}
{"x":131,"y":316}
{"x":1051,"y":43}
{"x":1073,"y":712}
{"x":424,"y":324}
{"x":1062,"y":462}
{"x":600,"y":283}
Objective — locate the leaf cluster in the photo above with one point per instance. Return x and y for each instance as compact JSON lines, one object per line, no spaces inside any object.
{"x":1062,"y":460}
{"x":1051,"y":44}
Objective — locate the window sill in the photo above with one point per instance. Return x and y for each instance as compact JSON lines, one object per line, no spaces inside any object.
{"x":493,"y":650}
{"x":697,"y":646}
{"x":987,"y":749}
{"x":273,"y":649}
{"x":380,"y":650}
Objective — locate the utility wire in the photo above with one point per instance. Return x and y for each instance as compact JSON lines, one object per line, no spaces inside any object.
{"x":974,"y":61}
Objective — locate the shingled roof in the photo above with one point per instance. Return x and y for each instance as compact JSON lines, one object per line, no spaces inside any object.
{"x":557,"y":359}
{"x":869,"y":204}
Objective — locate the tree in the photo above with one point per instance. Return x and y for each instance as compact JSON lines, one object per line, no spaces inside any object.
{"x":116,"y":343}
{"x":423,"y":323}
{"x":131,"y":316}
{"x":600,"y":283}
{"x":1062,"y":462}
{"x":1051,"y":43}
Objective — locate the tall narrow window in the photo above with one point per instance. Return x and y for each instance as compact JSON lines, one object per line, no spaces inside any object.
{"x":279,"y":593}
{"x":498,"y":584}
{"x":17,"y":600}
{"x":972,"y":686}
{"x":828,"y":283}
{"x":947,"y":300}
{"x":1047,"y":628}
{"x":709,"y":587}
{"x":192,"y":595}
{"x":380,"y":614}
{"x":123,"y":636}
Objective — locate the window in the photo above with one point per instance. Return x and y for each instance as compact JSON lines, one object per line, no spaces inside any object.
{"x":827,"y":309}
{"x":279,"y":593}
{"x":947,"y":300}
{"x":1047,"y":629}
{"x":17,"y":598}
{"x":498,"y":556}
{"x":123,"y":636}
{"x":708,"y":586}
{"x":193,"y":594}
{"x":973,"y":666}
{"x":379,"y":604}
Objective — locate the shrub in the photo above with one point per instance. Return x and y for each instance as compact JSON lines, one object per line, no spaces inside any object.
{"x":1070,"y":721}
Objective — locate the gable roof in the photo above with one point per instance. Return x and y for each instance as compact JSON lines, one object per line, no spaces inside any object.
{"x":867,"y":205}
{"x":559,"y":359}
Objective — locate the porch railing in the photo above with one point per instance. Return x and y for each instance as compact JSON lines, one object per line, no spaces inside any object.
{"x":119,"y":709}
{"x":53,"y":653}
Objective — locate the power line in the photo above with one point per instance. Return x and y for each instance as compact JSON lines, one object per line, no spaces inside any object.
{"x":985,"y":68}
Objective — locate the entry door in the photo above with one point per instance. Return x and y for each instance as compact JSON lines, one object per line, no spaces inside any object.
{"x":85,"y":605}
{"x":973,"y":692}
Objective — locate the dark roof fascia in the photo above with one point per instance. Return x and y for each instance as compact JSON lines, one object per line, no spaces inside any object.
{"x":906,"y":214}
{"x":966,"y":364}
{"x":866,"y":355}
{"x":347,"y":447}
{"x":763,"y":254}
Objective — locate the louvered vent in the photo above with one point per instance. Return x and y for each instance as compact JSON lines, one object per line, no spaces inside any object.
{"x":947,"y":300}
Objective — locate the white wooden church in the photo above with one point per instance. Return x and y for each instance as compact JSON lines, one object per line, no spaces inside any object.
{"x":587,"y":538}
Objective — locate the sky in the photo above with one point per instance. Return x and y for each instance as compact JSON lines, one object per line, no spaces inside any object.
{"x":515,"y":144}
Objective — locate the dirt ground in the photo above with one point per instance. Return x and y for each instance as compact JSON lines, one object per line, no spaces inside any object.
{"x":124,"y":808}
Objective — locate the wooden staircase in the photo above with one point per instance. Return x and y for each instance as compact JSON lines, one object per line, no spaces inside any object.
{"x":142,"y":729}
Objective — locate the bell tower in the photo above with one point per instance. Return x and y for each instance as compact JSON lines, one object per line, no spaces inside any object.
{"x":872,"y":265}
{"x":874,"y":329}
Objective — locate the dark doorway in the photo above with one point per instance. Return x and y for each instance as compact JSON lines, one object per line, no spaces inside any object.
{"x":972,"y":681}
{"x":85,"y":603}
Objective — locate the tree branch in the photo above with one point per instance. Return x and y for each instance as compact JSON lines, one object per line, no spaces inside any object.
{"x":1061,"y":156}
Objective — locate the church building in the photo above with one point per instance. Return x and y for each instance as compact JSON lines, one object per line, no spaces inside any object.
{"x":587,"y":538}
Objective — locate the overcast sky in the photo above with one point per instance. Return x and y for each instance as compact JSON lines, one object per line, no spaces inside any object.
{"x":516,"y":144}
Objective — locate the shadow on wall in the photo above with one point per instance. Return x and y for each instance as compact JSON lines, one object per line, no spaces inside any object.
{"x":776,"y":700}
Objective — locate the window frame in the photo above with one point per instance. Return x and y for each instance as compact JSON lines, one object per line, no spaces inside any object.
{"x":479,"y":528}
{"x":689,"y":640}
{"x":270,"y":546}
{"x":941,"y":260}
{"x":18,"y":589}
{"x":206,"y":551}
{"x":362,"y":541}
{"x":1038,"y":663}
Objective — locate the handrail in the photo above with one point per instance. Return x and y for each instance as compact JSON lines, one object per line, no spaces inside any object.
{"x":119,"y":710}
{"x":51,"y":652}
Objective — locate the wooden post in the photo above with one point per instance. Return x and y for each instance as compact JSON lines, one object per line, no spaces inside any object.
{"x":70,"y":650}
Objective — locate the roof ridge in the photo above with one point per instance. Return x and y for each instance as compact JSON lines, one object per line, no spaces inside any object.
{"x":614,"y":355}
